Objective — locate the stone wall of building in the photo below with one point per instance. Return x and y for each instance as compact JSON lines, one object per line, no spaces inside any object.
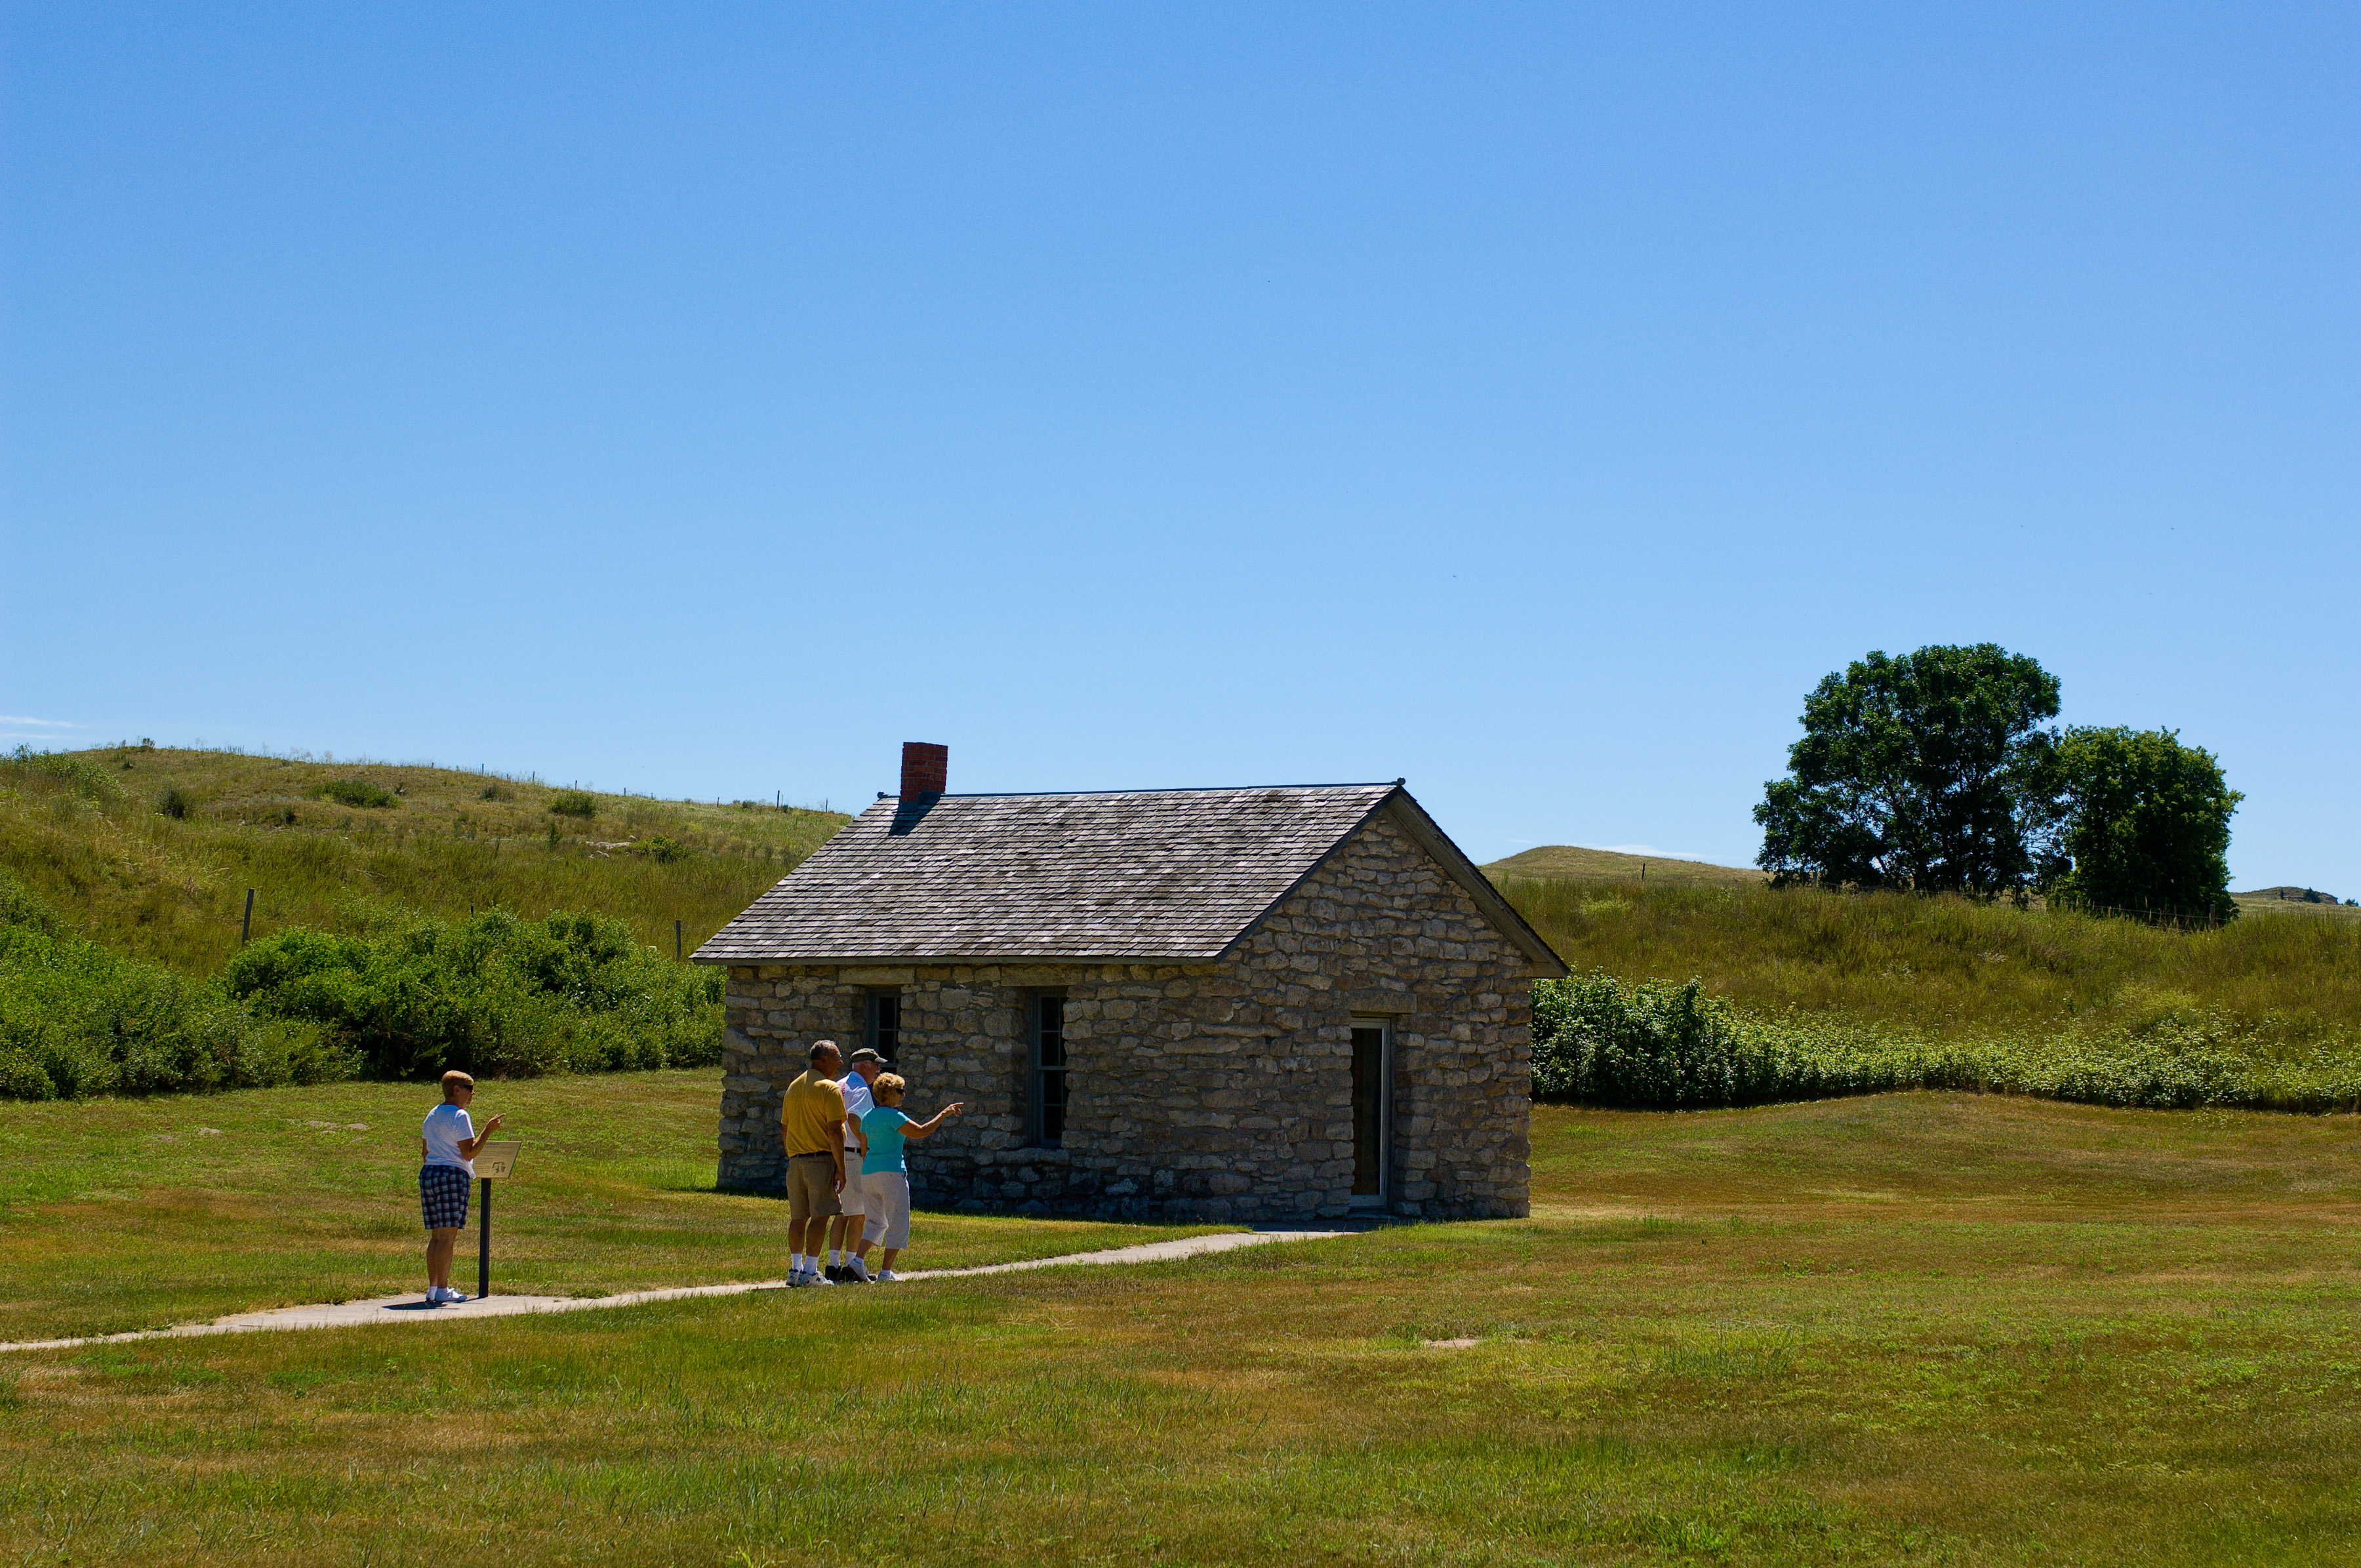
{"x":1216,"y":1091}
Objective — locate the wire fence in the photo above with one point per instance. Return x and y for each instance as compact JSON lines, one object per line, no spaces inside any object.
{"x":2209,"y":919}
{"x":2213,"y":919}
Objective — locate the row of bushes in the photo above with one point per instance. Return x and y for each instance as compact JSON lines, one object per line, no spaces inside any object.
{"x":492,"y":995}
{"x":1670,"y":1047}
{"x":76,"y":1019}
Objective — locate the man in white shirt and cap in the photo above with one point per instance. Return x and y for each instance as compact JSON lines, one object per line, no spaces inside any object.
{"x":843,"y":1267}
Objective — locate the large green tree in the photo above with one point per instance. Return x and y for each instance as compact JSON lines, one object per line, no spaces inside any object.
{"x":2140,"y":822}
{"x":1922,"y":771}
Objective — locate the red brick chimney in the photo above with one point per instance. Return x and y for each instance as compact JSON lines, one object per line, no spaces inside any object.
{"x":925,"y":768}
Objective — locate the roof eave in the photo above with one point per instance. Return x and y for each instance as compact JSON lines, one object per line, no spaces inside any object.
{"x":838,"y":961}
{"x":1503,"y":915}
{"x":1424,"y":832}
{"x":1249,"y":929}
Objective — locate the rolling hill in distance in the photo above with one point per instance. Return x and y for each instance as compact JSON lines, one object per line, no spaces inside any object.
{"x":1570,"y":863}
{"x":149,"y":853}
{"x":1576,"y":864}
{"x":2294,"y":901}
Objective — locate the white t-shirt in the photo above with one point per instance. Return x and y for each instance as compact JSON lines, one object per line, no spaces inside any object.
{"x":857,"y":1099}
{"x":446,"y":1125}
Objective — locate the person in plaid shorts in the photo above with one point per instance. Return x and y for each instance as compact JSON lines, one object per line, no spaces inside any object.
{"x":446,"y":1153}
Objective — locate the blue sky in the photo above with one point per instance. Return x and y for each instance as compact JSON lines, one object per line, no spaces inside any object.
{"x":1531,"y":401}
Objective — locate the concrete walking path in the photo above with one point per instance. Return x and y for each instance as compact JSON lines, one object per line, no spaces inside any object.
{"x":408,"y":1309}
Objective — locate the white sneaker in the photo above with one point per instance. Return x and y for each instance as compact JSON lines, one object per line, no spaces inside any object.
{"x":797,"y":1278}
{"x":889,"y":1277}
{"x":452,"y":1297}
{"x":859,"y":1271}
{"x":817,"y":1278}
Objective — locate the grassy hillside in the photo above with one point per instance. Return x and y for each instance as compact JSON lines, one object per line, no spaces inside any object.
{"x":149,"y":852}
{"x":1574,"y":863}
{"x":1950,"y":968}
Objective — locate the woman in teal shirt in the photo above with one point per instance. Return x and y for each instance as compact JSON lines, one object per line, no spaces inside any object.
{"x":887,"y":1173}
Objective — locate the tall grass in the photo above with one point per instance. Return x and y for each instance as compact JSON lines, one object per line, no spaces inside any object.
{"x":81,"y":831}
{"x":1943,"y":969}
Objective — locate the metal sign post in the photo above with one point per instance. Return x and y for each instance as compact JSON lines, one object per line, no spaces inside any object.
{"x":491,"y":1160}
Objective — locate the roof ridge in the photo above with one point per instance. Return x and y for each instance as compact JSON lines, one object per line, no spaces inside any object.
{"x":1178,"y":873}
{"x":1161,"y":789}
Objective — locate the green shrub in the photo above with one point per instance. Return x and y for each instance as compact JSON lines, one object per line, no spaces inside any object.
{"x":78,"y":774}
{"x":573,"y":802}
{"x":665,"y":851}
{"x":20,"y":907}
{"x":495,"y":792}
{"x":175,"y":802}
{"x":1654,"y":1046}
{"x":489,"y":994}
{"x":77,"y":1020}
{"x":356,"y":791}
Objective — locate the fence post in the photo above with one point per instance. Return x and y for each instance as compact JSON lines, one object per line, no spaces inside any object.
{"x":245,"y":925}
{"x":676,"y":942}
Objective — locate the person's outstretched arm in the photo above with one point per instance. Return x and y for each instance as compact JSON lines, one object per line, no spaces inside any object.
{"x":468,"y":1147}
{"x":921,"y":1129}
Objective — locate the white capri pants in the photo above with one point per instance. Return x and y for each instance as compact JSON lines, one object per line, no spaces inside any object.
{"x":853,"y":1201}
{"x":888,"y":1214}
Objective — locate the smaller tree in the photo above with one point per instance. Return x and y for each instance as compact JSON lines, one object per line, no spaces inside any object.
{"x":2139,"y":822}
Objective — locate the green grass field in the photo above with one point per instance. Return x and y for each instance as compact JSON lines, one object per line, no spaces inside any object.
{"x":92,"y":842}
{"x":120,"y":1214}
{"x":1920,"y":1328}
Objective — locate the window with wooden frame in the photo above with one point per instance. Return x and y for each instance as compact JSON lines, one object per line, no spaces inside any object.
{"x":1046,"y":1073}
{"x":882,"y":1029}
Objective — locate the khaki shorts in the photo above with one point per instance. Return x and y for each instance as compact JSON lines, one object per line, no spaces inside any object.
{"x":855,"y":1196}
{"x":811,"y":1189}
{"x":888,"y":1221}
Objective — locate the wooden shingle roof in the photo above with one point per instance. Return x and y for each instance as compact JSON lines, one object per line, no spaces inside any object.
{"x":1171,"y":876}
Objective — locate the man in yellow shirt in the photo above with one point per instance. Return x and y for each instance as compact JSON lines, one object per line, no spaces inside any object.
{"x":811,"y":1122}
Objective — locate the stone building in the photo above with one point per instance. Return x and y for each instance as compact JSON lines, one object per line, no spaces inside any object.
{"x":1197,"y":1003}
